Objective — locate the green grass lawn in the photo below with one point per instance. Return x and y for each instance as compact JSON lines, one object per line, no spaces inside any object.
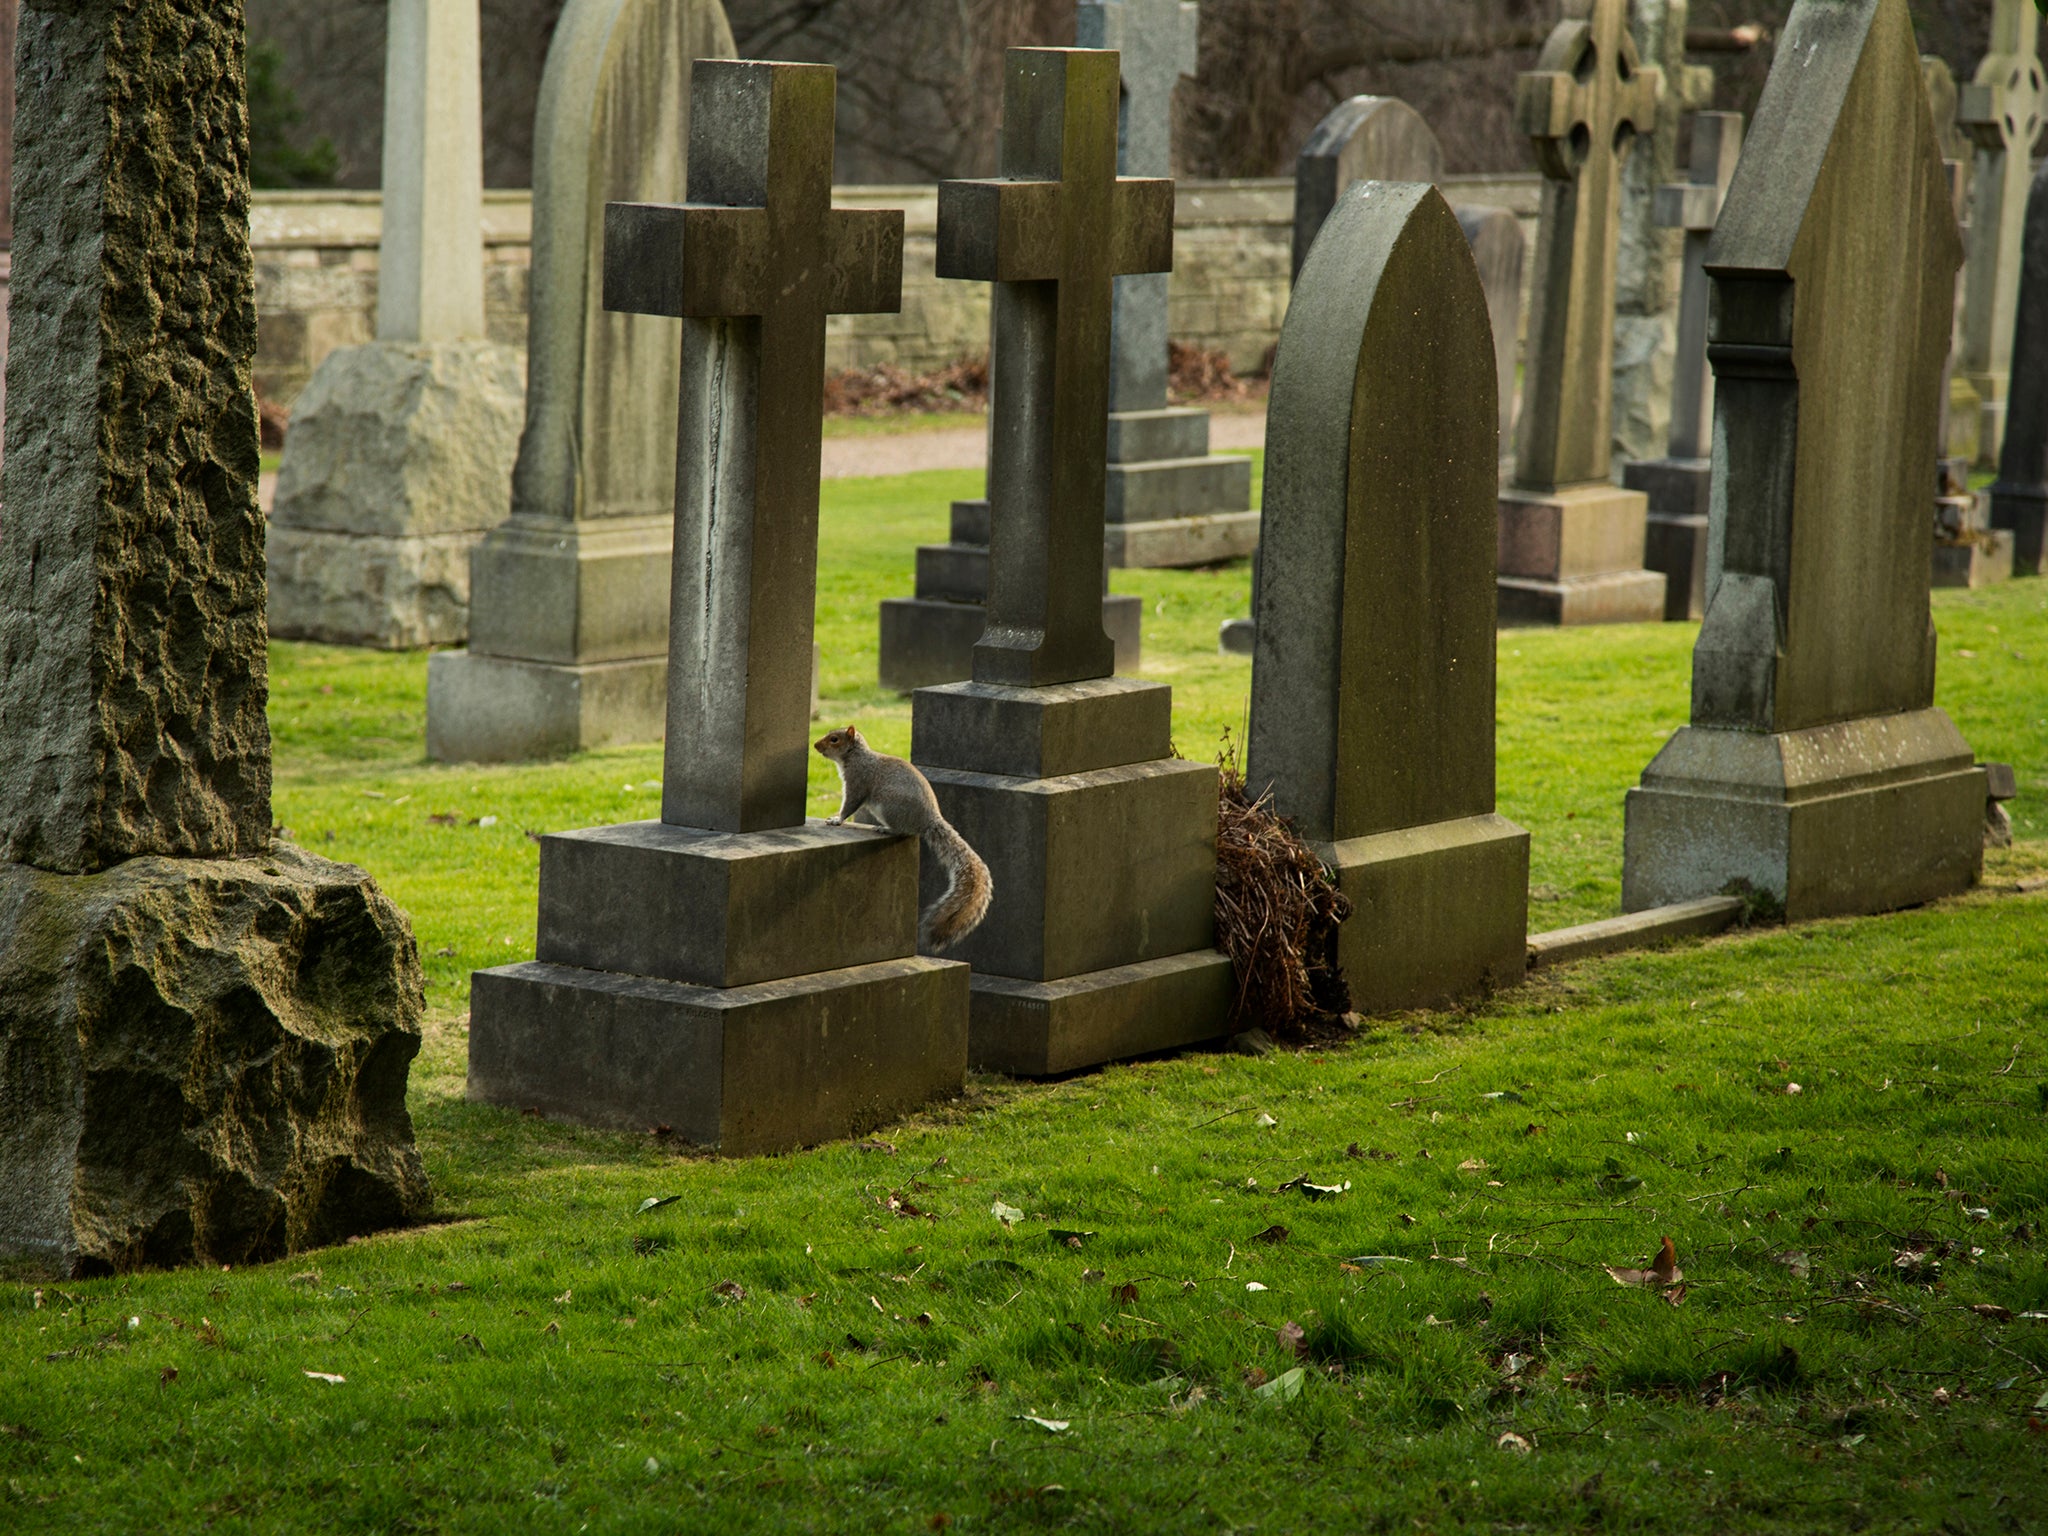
{"x":850,"y":1339}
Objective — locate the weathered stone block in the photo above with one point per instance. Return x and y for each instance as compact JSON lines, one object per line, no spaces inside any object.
{"x":1164,"y":488}
{"x":953,"y":573}
{"x":719,"y":909}
{"x":1627,"y":597}
{"x":590,"y":592}
{"x":203,"y":1060}
{"x":1043,"y":733}
{"x":1859,"y":816}
{"x":928,"y":642}
{"x":1676,"y":549}
{"x":393,"y":593}
{"x":763,"y":1068}
{"x":1439,"y":912}
{"x":1984,"y":560}
{"x":1171,"y":432}
{"x":1091,"y":870}
{"x":1043,"y":1028}
{"x":1585,"y":530}
{"x":491,"y":709}
{"x":1179,"y":543}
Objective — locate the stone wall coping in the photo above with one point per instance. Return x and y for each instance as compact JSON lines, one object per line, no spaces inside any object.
{"x":331,"y":220}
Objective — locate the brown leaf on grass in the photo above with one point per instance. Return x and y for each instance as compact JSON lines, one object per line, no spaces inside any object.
{"x":1536,"y":1130}
{"x":1798,"y":1262}
{"x":1996,"y":1313}
{"x":827,"y":1359}
{"x":875,"y":1144}
{"x":167,"y":1375}
{"x":731,"y":1289}
{"x":1510,"y":1441}
{"x":1675,"y":1295}
{"x":1663,"y":1270}
{"x":1472,"y":1165}
{"x":444,"y":819}
{"x":1127,"y":1292}
{"x":1255,"y":1378}
{"x":1273,"y":1234}
{"x":1293,"y":1338}
{"x":550,"y":1329}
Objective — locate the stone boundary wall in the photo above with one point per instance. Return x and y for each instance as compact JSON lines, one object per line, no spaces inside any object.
{"x":316,"y":274}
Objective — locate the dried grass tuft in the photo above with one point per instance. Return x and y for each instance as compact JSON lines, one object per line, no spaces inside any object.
{"x":886,"y":390}
{"x":1276,"y":916}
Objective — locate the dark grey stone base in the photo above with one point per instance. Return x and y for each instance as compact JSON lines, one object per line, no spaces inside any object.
{"x":1860,"y":816}
{"x":1676,"y":487}
{"x":762,"y":1068}
{"x":2022,"y":510}
{"x":1676,"y":549}
{"x":1153,"y":490}
{"x":926,"y":642}
{"x":1181,"y":543}
{"x":1439,"y":913}
{"x":496,"y":709}
{"x":1043,"y":733}
{"x":1042,"y":1028}
{"x":1238,"y":637}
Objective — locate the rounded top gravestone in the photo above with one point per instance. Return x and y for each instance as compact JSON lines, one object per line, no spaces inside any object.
{"x":1368,"y":138}
{"x":611,"y":126}
{"x":1373,"y":680}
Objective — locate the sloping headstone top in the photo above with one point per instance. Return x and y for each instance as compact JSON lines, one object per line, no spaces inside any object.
{"x":1376,"y":137}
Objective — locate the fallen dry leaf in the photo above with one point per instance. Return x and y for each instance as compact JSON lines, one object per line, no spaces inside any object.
{"x":328,"y":1377}
{"x":1511,"y":1441}
{"x":1472,"y":1165}
{"x":1996,"y":1313}
{"x":1292,"y":1339}
{"x":1663,"y":1271}
{"x":1273,"y":1234}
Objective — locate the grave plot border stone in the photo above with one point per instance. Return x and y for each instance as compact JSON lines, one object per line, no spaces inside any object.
{"x":1372,"y":712}
{"x":1816,"y":769}
{"x":1099,"y":943}
{"x":733,"y":971}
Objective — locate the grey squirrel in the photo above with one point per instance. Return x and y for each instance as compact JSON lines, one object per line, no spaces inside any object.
{"x":897,"y":798}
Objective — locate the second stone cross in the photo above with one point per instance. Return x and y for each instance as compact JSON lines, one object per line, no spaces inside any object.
{"x":1099,"y":943}
{"x":731,"y":970}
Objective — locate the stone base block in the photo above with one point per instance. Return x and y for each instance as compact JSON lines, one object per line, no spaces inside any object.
{"x":762,"y":1068}
{"x":1180,"y":543}
{"x":1439,"y":913}
{"x":1172,"y":432}
{"x":1860,"y":816}
{"x":1043,"y":733}
{"x":1626,"y":597}
{"x":1572,"y":532}
{"x":494,"y":709}
{"x":719,"y":909}
{"x":1044,"y":1028}
{"x":1675,"y":487}
{"x":391,"y":593}
{"x":953,"y":573}
{"x":1676,"y":549}
{"x":573,"y":593}
{"x":1170,"y":488}
{"x":1986,"y":559}
{"x":926,"y":642}
{"x":1238,"y":637}
{"x":203,"y":1060}
{"x":1091,"y":870}
{"x":2022,"y":510}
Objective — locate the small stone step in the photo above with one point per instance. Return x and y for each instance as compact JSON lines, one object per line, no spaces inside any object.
{"x":1634,"y":930}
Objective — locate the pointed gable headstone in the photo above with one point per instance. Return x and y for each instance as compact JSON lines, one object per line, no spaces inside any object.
{"x":1571,"y":544}
{"x":1170,"y":501}
{"x":204,"y":1031}
{"x":2004,"y":109}
{"x":1102,"y":844}
{"x":1372,"y":710}
{"x":731,"y":970}
{"x":1816,"y":768}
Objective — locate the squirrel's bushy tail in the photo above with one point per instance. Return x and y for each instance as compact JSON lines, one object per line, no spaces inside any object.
{"x":968,"y":891}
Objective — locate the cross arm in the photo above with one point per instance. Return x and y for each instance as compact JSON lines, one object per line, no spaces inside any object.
{"x":999,"y":231}
{"x":1688,"y":205}
{"x":1141,"y":238}
{"x":684,"y":259}
{"x":866,"y":258}
{"x":1982,"y":105}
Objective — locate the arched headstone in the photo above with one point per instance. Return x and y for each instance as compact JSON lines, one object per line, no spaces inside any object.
{"x":568,"y":632}
{"x":1816,"y":769}
{"x":1372,"y":712}
{"x":1368,"y":138}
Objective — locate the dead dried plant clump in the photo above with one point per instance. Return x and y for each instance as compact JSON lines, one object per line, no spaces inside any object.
{"x":1276,"y":917}
{"x":883,"y":389}
{"x":1197,"y":376}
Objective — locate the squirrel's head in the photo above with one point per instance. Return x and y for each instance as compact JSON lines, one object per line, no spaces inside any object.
{"x":836,"y":744}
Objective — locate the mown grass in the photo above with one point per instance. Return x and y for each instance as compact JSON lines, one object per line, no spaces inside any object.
{"x":850,"y":1339}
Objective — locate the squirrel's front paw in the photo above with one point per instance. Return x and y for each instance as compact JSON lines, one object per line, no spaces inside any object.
{"x":835,"y":821}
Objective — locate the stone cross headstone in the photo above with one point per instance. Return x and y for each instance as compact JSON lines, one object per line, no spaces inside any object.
{"x":205,"y":1032}
{"x":1170,"y":501}
{"x":1816,"y":768}
{"x":2003,"y":109}
{"x":731,"y":970}
{"x":1378,"y":138}
{"x":400,"y":452}
{"x":1678,"y":483}
{"x":2019,"y":497}
{"x":1571,"y":544}
{"x":1102,"y":844}
{"x":568,"y":620}
{"x":1372,"y":708}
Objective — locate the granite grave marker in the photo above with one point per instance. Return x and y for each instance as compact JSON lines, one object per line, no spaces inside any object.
{"x":2019,"y":497}
{"x":732,"y":970}
{"x":1816,"y":770}
{"x":1372,"y":709}
{"x":205,"y":1033}
{"x":1099,"y":943}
